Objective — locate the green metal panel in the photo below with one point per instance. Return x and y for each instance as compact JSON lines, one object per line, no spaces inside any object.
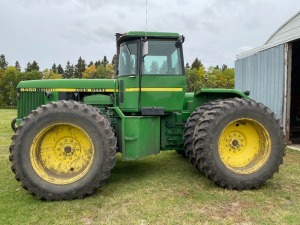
{"x":138,"y":136}
{"x":201,"y":96}
{"x":163,"y":91}
{"x":129,"y":99}
{"x":92,"y":85}
{"x":172,"y":131}
{"x":34,"y":93}
{"x":156,"y":91}
{"x":98,"y":99}
{"x":142,"y":137}
{"x":220,"y":91}
{"x":27,"y":101}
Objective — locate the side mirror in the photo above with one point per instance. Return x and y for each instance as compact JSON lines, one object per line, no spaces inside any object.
{"x":180,"y":41}
{"x":145,"y":48}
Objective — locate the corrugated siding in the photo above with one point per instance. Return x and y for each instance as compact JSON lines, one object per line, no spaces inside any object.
{"x":263,"y":74}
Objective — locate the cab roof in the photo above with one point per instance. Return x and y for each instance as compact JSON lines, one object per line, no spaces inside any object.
{"x":139,"y":34}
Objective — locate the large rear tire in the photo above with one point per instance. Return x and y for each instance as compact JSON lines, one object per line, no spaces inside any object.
{"x":13,"y":124}
{"x":63,"y":150}
{"x":239,"y":144}
{"x":189,"y":130}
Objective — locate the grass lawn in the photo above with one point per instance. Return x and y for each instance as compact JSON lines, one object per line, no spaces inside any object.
{"x":160,"y":189}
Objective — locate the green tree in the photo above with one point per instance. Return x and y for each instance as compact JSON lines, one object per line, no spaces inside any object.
{"x":195,"y":78}
{"x":220,"y":78}
{"x":229,"y":77}
{"x":17,"y":65}
{"x":31,"y":75}
{"x":196,"y":64}
{"x":191,"y":79}
{"x":8,"y":82}
{"x":3,"y":62}
{"x":212,"y":77}
{"x":90,"y":72}
{"x":50,"y":74}
{"x":54,"y":68}
{"x":1,"y":85}
{"x":97,"y":63}
{"x":60,"y":70}
{"x":224,"y":67}
{"x":79,"y":68}
{"x":91,"y":63}
{"x":104,"y":61}
{"x":105,"y":72}
{"x":69,"y":71}
{"x":9,"y":79}
{"x":32,"y":66}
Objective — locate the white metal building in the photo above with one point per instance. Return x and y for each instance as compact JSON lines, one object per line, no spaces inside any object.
{"x":272,"y":74}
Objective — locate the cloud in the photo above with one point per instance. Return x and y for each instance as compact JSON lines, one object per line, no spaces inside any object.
{"x":51,"y":31}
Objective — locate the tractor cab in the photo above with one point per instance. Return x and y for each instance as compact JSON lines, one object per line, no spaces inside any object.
{"x":150,"y":72}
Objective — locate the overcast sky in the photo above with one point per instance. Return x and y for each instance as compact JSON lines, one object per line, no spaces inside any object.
{"x":55,"y":31}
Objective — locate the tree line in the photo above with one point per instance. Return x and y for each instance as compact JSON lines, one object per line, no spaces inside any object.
{"x":10,"y":75}
{"x":212,"y":77}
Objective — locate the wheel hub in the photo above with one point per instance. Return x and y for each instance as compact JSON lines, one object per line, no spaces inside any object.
{"x":235,"y":141}
{"x":67,"y":149}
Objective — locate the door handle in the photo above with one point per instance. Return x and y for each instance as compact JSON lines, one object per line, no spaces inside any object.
{"x":132,"y":76}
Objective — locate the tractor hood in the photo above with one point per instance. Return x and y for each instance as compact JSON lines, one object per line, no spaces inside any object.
{"x":70,"y":85}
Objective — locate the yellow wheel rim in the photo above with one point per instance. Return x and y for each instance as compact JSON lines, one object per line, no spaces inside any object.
{"x":244,"y":146}
{"x":62,"y":153}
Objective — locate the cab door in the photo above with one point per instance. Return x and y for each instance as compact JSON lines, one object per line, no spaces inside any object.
{"x":128,"y":76}
{"x":163,"y":83}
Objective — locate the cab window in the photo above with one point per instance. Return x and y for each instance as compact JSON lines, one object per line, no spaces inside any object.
{"x":128,"y":59}
{"x":163,"y":58}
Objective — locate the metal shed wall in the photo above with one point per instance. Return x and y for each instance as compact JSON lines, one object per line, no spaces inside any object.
{"x":264,"y":75}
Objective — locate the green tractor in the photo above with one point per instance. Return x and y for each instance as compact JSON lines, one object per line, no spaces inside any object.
{"x":70,"y":130}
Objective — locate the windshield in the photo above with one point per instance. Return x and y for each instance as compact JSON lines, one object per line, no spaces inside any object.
{"x":163,"y":58}
{"x":128,"y":59}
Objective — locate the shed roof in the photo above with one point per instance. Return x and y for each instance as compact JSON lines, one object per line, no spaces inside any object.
{"x":287,"y":32}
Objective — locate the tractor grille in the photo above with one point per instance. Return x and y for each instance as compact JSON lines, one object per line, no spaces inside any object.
{"x":29,"y":101}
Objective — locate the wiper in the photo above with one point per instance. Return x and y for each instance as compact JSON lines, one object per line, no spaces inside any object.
{"x":127,"y":48}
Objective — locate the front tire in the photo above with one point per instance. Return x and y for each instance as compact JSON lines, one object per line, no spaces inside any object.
{"x":239,"y":144}
{"x":63,"y":150}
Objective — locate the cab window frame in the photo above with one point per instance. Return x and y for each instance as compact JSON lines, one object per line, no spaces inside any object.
{"x":137,"y":61}
{"x":180,"y":62}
